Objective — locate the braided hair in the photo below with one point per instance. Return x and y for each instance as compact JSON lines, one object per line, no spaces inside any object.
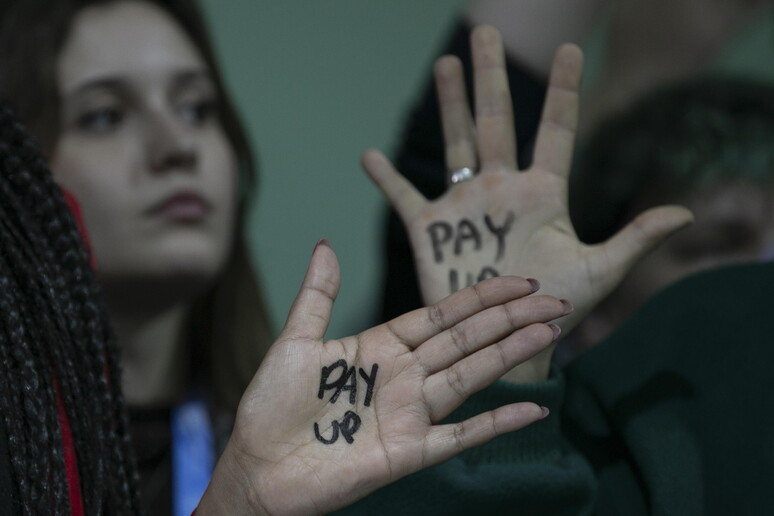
{"x":55,"y":346}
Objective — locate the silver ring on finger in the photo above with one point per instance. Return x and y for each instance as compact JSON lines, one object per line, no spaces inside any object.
{"x":461,"y":175}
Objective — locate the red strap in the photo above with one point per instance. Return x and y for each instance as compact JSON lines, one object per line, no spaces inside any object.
{"x":71,"y":461}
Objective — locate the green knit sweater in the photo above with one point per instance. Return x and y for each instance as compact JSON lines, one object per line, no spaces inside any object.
{"x":673,"y":415}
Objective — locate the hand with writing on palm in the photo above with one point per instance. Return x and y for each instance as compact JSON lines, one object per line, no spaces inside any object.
{"x":506,"y":221}
{"x":324,"y":423}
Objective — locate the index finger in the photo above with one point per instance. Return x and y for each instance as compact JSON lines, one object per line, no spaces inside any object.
{"x":311,"y":311}
{"x":415,"y":328}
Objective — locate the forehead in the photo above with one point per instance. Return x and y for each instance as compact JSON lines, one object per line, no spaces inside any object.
{"x":126,"y":39}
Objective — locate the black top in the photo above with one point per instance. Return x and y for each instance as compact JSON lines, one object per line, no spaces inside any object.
{"x":151,"y":432}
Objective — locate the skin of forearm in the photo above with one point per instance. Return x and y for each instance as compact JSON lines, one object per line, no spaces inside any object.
{"x":230,"y":490}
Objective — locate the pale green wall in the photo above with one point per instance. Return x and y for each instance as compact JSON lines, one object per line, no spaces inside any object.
{"x":319,"y":81}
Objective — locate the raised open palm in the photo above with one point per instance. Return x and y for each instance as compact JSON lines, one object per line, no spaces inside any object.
{"x":325,"y":423}
{"x":506,"y":221}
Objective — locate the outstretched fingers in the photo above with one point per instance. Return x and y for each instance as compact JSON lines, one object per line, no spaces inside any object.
{"x":419,"y":326}
{"x":445,"y":441}
{"x":449,"y":388}
{"x":559,"y":121}
{"x":311,"y":311}
{"x":487,"y":327}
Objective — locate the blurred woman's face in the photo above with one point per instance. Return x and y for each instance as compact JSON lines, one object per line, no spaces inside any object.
{"x":142,"y":149}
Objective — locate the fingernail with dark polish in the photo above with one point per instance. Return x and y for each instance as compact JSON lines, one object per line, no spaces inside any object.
{"x":568,"y":308}
{"x":322,"y":241}
{"x":535,"y":284}
{"x":556,"y":329}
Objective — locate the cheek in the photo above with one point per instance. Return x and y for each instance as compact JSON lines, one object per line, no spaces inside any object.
{"x":102,"y":190}
{"x":91,"y":174}
{"x":222,"y":178}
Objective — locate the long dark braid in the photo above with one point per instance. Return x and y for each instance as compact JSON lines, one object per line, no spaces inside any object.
{"x":53,"y":328}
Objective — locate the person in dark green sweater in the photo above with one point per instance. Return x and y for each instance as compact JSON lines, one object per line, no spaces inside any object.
{"x":670,"y":415}
{"x":649,"y":421}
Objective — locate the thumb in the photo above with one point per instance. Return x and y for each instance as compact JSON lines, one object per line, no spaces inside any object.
{"x":311,"y":311}
{"x":642,"y":234}
{"x":398,"y":190}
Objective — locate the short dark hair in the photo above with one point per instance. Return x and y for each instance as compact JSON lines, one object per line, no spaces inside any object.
{"x":674,"y":141}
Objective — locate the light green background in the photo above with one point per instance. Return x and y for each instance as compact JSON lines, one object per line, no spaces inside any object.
{"x":317,"y":82}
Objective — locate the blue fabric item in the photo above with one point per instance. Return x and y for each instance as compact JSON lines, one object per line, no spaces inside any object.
{"x":193,"y":455}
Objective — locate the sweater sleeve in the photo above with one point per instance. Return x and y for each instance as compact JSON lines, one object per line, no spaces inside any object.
{"x":673,"y":411}
{"x":530,"y":471}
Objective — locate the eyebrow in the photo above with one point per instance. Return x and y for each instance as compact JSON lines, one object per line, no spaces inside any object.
{"x":108,"y":83}
{"x":192,"y":77}
{"x":186,"y":76}
{"x":120,"y":83}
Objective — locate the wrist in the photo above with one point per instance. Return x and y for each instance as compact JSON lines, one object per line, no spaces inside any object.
{"x":232,"y":489}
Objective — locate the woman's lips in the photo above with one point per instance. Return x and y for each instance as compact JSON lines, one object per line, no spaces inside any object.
{"x":183,"y":206}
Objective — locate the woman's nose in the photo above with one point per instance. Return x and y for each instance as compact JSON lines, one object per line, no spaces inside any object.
{"x":170,"y":144}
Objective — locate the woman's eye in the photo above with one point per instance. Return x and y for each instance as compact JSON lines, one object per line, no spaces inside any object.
{"x":197,"y":113}
{"x":100,"y":120}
